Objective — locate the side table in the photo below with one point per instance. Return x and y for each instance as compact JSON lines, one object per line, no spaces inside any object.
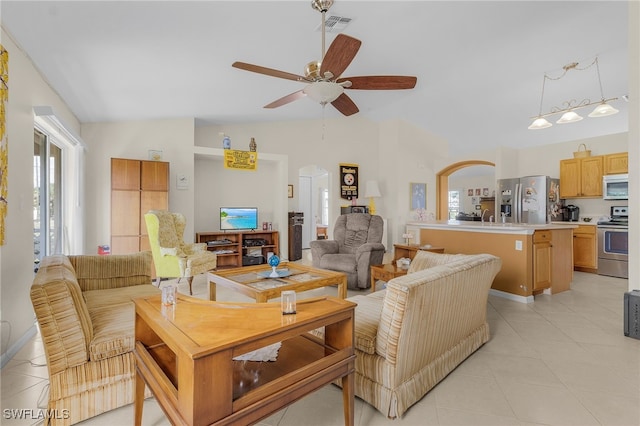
{"x":385,"y":273}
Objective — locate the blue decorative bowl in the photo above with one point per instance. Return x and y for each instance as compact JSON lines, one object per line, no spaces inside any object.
{"x":274,"y":261}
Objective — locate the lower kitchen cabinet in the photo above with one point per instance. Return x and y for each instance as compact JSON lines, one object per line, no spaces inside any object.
{"x":585,"y":249}
{"x":541,"y":260}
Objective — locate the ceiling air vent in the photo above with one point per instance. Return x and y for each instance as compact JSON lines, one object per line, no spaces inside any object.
{"x":334,"y":24}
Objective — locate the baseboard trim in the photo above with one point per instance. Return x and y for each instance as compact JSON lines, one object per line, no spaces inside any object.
{"x":510,"y":296}
{"x":13,"y":349}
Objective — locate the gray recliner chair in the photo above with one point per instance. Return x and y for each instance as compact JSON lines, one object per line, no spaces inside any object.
{"x":356,"y":245}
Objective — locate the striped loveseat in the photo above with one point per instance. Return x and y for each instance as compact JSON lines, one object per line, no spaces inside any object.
{"x":86,"y":317}
{"x":409,"y":336}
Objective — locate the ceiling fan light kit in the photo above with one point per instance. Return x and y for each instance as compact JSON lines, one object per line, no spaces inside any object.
{"x":603,"y":108}
{"x":324,"y":84}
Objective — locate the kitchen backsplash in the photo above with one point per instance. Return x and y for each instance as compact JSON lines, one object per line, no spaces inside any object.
{"x":594,"y":207}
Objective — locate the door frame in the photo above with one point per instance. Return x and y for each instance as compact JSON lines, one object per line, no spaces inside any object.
{"x":442,"y":184}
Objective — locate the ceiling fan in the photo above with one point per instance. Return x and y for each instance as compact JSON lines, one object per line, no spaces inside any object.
{"x":323,"y":77}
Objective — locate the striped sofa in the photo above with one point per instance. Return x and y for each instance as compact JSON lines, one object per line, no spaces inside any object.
{"x":86,"y":317}
{"x":409,"y":336}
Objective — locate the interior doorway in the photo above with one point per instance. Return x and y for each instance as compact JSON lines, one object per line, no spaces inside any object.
{"x":313,"y":201}
{"x":442,"y":185}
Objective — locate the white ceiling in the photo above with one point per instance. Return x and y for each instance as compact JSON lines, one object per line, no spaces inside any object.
{"x":479,"y":64}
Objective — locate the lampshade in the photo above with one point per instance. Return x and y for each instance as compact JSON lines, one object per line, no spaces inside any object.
{"x":540,"y":123}
{"x":603,"y":110}
{"x":371,"y":189}
{"x":569,"y":117}
{"x":323,"y":91}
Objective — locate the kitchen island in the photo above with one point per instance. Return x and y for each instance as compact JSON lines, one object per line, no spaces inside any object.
{"x":535,"y":258}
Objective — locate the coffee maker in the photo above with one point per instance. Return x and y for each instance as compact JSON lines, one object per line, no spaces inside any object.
{"x":573,"y":213}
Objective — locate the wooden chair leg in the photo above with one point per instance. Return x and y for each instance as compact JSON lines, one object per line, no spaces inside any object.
{"x":190,"y":280}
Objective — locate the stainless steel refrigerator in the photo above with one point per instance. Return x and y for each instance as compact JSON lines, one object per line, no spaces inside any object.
{"x":529,"y":200}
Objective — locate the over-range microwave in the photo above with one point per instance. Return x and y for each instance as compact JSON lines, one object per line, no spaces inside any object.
{"x":615,"y":187}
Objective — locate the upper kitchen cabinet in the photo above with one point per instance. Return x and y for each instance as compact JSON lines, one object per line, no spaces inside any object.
{"x":616,"y":163}
{"x":581,"y":177}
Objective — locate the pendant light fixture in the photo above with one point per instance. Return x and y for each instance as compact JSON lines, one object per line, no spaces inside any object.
{"x":569,"y":114}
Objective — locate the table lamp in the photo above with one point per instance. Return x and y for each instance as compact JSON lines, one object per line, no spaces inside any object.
{"x":372,"y":191}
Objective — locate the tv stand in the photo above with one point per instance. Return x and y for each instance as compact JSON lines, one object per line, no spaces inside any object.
{"x":232,"y":246}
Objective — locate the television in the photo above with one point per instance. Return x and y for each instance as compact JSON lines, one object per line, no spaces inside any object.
{"x":233,"y":218}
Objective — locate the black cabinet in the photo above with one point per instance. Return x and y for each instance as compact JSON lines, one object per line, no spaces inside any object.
{"x":296,"y":220}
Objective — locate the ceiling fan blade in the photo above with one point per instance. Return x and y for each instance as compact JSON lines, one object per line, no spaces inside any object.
{"x":339,"y":55}
{"x":268,"y":71}
{"x":286,"y":99}
{"x":345,"y":105}
{"x":380,"y":82}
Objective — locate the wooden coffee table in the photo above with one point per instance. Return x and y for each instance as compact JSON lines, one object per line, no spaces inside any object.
{"x":247,"y":281}
{"x":185,"y":355}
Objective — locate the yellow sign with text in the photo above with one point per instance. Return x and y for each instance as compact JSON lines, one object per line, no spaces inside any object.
{"x":240,"y":160}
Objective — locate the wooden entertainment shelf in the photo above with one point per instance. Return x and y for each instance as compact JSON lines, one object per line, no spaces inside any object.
{"x":234,"y":246}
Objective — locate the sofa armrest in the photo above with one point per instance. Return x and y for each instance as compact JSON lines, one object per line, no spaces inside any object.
{"x":368,"y":248}
{"x":321,"y":247}
{"x":194,"y":248}
{"x":95,"y":272}
{"x":60,"y":324}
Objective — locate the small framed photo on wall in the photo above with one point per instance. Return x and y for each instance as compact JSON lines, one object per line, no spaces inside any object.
{"x":470,"y":192}
{"x":290,"y":191}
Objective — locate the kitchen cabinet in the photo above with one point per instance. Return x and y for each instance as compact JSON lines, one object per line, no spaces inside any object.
{"x":541,"y":260}
{"x":581,"y":177}
{"x":137,"y":186}
{"x":616,"y":163}
{"x":585,"y":249}
{"x":529,"y":266}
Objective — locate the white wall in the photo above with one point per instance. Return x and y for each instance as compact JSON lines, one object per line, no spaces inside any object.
{"x":133,"y":140}
{"x":26,"y":90}
{"x":634,"y":143}
{"x":463,"y":184}
{"x":217,"y":187}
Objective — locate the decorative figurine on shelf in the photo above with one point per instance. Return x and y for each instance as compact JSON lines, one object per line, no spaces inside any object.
{"x":274,"y":261}
{"x":253,"y":146}
{"x":226,"y":142}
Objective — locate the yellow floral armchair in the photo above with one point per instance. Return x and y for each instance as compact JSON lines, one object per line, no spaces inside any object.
{"x":173,"y":258}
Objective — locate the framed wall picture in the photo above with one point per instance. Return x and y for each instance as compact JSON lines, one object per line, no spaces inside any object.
{"x":478,"y":191}
{"x":290,"y":191}
{"x":348,"y":181}
{"x":470,"y":192}
{"x":418,"y":195}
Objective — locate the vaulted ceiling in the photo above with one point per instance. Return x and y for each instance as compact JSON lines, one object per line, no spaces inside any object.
{"x":479,"y":64}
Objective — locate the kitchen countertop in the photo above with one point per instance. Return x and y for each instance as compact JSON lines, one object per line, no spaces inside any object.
{"x":495,"y":228}
{"x":580,"y":222}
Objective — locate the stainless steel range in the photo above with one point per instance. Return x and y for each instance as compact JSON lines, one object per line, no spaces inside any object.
{"x":613,"y":243}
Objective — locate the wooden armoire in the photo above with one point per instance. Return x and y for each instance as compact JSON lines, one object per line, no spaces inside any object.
{"x":137,"y":186}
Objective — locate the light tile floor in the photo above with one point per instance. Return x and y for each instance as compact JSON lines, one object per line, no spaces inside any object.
{"x":562,"y":360}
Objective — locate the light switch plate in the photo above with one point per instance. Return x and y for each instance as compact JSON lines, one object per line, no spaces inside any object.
{"x":519,"y":245}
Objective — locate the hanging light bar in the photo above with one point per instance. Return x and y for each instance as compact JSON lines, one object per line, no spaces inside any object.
{"x":569,"y":114}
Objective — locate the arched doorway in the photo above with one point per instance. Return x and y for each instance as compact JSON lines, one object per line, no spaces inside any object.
{"x":442,"y":184}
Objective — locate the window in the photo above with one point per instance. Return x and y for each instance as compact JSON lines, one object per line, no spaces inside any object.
{"x":454,"y":204}
{"x":57,"y":224}
{"x":47,"y":197}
